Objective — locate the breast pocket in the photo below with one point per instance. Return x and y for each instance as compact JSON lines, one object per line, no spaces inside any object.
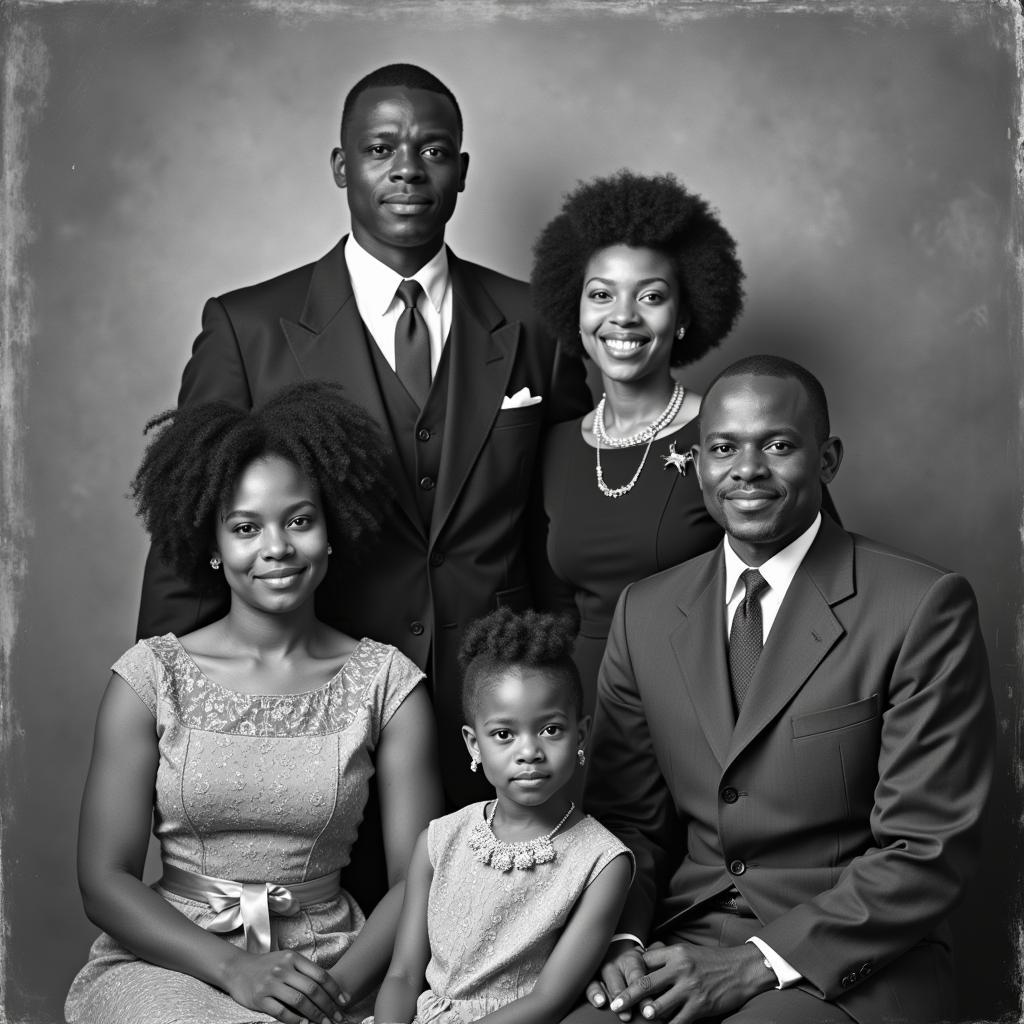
{"x":836,"y":751}
{"x":524,"y":415}
{"x":841,"y":717}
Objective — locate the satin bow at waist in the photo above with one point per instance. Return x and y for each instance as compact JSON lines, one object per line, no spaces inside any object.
{"x":249,"y":904}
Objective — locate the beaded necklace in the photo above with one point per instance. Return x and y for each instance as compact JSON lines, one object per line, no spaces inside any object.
{"x":502,"y":856}
{"x":648,"y":434}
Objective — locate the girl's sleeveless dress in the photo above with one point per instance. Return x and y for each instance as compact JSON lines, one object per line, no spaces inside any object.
{"x":250,"y":787}
{"x":492,"y":931}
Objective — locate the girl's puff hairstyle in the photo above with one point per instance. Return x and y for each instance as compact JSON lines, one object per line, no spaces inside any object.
{"x":505,"y":640}
{"x":653,"y":212}
{"x":193,"y":464}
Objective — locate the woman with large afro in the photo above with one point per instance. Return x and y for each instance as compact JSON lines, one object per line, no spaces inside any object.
{"x":249,"y":743}
{"x":638,"y":275}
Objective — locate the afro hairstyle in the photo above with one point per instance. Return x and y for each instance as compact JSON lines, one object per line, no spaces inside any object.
{"x":198,"y":453}
{"x":648,"y":212}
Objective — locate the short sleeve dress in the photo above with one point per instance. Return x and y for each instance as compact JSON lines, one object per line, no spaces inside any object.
{"x":598,"y":545}
{"x":492,"y":931}
{"x":249,"y":787}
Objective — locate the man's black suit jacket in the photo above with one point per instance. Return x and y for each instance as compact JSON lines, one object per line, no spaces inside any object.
{"x":418,"y":588}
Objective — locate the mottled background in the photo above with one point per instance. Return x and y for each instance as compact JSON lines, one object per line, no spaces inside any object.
{"x":155,"y":155}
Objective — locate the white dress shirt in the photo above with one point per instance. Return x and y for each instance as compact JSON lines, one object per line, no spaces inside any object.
{"x":778,"y":573}
{"x":375,"y":288}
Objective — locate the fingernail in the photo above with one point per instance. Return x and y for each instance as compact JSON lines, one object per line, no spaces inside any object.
{"x":648,"y":1011}
{"x":598,"y":999}
{"x":616,"y":1005}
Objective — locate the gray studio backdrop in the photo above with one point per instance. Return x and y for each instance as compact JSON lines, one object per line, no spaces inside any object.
{"x":155,"y":155}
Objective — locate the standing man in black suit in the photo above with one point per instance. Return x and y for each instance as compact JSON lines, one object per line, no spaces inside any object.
{"x":443,"y":353}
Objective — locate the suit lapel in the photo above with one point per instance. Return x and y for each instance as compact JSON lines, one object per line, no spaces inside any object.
{"x":329,"y":343}
{"x":482,"y":351}
{"x":699,"y":646}
{"x":804,"y":631}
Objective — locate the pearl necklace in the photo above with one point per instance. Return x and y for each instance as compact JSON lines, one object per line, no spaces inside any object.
{"x":648,"y":434}
{"x":501,"y":856}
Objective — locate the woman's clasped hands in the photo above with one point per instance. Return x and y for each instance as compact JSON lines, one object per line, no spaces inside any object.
{"x":285,"y":985}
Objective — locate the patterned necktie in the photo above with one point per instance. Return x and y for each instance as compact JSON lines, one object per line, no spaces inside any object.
{"x":746,"y":637}
{"x":412,"y":345}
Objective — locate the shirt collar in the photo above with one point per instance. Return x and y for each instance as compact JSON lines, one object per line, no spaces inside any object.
{"x":377,"y":282}
{"x":779,"y":570}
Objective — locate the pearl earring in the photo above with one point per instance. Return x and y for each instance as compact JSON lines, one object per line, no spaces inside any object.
{"x":681,"y":333}
{"x":330,"y":550}
{"x":474,"y":764}
{"x":581,"y":757}
{"x":215,"y":563}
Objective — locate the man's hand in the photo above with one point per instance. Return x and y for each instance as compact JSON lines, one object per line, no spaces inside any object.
{"x":685,"y":983}
{"x":624,"y":965}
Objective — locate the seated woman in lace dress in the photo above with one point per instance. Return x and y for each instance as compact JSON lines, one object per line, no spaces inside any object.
{"x":250,"y":742}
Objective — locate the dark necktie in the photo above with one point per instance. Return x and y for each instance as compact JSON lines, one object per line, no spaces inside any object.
{"x":746,"y":637}
{"x":412,"y":345}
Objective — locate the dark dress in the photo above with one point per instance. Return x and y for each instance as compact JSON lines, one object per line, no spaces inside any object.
{"x":596,"y":545}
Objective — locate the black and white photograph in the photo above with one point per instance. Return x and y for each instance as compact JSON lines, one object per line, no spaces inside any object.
{"x":511,"y":511}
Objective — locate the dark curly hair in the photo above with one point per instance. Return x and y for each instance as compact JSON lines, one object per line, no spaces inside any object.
{"x":192,"y":466}
{"x":505,"y":640}
{"x":643,"y":212}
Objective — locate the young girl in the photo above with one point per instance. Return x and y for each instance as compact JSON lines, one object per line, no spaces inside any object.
{"x":510,"y":904}
{"x":250,"y":742}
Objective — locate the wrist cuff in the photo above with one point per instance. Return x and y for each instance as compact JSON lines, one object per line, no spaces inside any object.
{"x":628,"y":937}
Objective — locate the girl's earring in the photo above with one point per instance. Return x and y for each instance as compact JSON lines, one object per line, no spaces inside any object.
{"x":474,"y":763}
{"x":215,"y":563}
{"x":581,"y":757}
{"x":681,"y":333}
{"x":330,"y":550}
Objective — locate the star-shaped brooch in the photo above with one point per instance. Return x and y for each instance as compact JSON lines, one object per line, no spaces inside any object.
{"x":680,"y":461}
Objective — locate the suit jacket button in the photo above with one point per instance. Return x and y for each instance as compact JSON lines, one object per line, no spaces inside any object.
{"x":427,"y":483}
{"x":416,"y":628}
{"x":865,"y":971}
{"x":729,"y":795}
{"x":737,"y":867}
{"x":436,"y":558}
{"x":423,"y":434}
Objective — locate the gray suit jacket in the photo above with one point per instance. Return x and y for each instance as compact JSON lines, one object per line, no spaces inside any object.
{"x":844,"y":803}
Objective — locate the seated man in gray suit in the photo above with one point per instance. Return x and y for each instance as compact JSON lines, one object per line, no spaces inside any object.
{"x":794,"y":734}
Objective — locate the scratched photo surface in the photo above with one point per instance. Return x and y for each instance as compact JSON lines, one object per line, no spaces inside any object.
{"x":155,"y":155}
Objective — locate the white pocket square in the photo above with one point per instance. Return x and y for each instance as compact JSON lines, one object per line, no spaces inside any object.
{"x":520,"y":399}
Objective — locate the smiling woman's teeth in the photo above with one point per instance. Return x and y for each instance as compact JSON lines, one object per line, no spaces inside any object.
{"x":622,"y":345}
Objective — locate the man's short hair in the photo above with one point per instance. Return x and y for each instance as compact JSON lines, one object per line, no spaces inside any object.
{"x":776,"y":366}
{"x":398,"y":76}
